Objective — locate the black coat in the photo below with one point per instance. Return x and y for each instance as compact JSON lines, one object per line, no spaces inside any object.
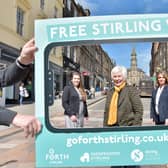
{"x":9,"y":76}
{"x":71,"y":101}
{"x":163,"y":105}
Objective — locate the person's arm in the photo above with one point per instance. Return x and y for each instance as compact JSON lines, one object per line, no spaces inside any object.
{"x":86,"y":114}
{"x":6,"y":116}
{"x":65,"y":100}
{"x":152,"y":106}
{"x":166,"y":121}
{"x":12,"y":74}
{"x":19,"y":69}
{"x":27,"y":54}
{"x":65,"y":104}
{"x":29,"y":123}
{"x":137,"y":106}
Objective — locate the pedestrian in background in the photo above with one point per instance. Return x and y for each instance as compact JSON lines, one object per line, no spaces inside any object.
{"x":74,"y":102}
{"x":123,"y":105}
{"x":29,"y":89}
{"x":159,"y":100}
{"x":12,"y":74}
{"x":93,"y":91}
{"x":21,"y":93}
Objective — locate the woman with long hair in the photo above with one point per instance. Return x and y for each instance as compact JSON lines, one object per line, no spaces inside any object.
{"x":74,"y":102}
{"x":159,"y":100}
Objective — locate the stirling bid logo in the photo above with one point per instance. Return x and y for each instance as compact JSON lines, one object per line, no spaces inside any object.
{"x":54,"y":157}
{"x":85,"y":157}
{"x":137,"y":155}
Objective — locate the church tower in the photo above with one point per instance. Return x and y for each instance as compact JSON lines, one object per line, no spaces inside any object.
{"x":134,"y":73}
{"x":133,"y":59}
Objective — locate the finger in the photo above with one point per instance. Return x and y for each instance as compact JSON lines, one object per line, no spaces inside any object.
{"x":33,"y":40}
{"x":29,"y":130}
{"x":31,"y":48}
{"x":35,"y":129}
{"x":32,"y":129}
{"x":38,"y":126}
{"x":30,"y":43}
{"x":26,"y":131}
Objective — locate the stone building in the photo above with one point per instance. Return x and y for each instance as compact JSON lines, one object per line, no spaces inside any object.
{"x":159,"y":57}
{"x":17,"y":27}
{"x":91,"y":60}
{"x":135,"y":74}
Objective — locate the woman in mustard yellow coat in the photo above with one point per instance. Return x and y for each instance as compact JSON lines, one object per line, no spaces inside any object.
{"x":123,"y":105}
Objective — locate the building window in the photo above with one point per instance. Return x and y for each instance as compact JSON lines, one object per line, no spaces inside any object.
{"x":75,"y":55}
{"x":55,"y":12}
{"x":68,"y":51}
{"x":75,"y":13}
{"x":72,"y":53}
{"x":69,"y":4}
{"x":42,"y":4}
{"x":20,"y":21}
{"x":2,"y":66}
{"x":54,"y":50}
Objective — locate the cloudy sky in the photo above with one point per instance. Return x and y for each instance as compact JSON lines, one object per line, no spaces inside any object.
{"x":121,"y":52}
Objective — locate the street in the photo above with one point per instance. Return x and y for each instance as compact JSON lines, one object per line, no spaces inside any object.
{"x":16,"y":151}
{"x":96,"y":111}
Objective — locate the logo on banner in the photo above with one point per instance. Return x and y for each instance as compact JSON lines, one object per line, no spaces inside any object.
{"x":137,"y":155}
{"x":52,"y":156}
{"x":85,"y":157}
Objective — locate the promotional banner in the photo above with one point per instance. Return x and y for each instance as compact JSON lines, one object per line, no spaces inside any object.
{"x":56,"y":147}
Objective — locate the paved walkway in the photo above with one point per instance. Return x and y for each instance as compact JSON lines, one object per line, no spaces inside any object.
{"x":28,"y":108}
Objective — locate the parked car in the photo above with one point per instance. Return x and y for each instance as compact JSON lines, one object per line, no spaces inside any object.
{"x":89,"y":93}
{"x":58,"y":94}
{"x":105,"y":90}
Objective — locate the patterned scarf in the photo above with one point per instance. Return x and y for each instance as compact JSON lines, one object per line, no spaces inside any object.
{"x":112,"y":119}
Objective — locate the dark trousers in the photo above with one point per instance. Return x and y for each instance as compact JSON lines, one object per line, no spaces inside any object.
{"x":158,"y":122}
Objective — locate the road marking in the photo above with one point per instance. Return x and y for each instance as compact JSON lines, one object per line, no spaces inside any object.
{"x":99,"y":101}
{"x":7,"y":145}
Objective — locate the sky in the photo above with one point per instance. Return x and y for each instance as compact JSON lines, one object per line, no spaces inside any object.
{"x":121,"y":52}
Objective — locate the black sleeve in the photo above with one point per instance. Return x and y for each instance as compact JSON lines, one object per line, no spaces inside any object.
{"x":12,"y":74}
{"x":152,"y":106}
{"x":137,"y":106}
{"x":85,"y":110}
{"x":65,"y":100}
{"x":6,"y":116}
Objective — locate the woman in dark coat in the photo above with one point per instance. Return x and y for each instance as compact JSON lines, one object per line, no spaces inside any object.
{"x":123,"y":105}
{"x":74,"y":102}
{"x":159,"y":100}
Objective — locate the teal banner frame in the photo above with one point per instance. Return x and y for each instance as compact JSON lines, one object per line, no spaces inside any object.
{"x":89,"y":147}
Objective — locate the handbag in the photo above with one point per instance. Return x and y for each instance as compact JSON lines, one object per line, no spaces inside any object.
{"x":25,"y":93}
